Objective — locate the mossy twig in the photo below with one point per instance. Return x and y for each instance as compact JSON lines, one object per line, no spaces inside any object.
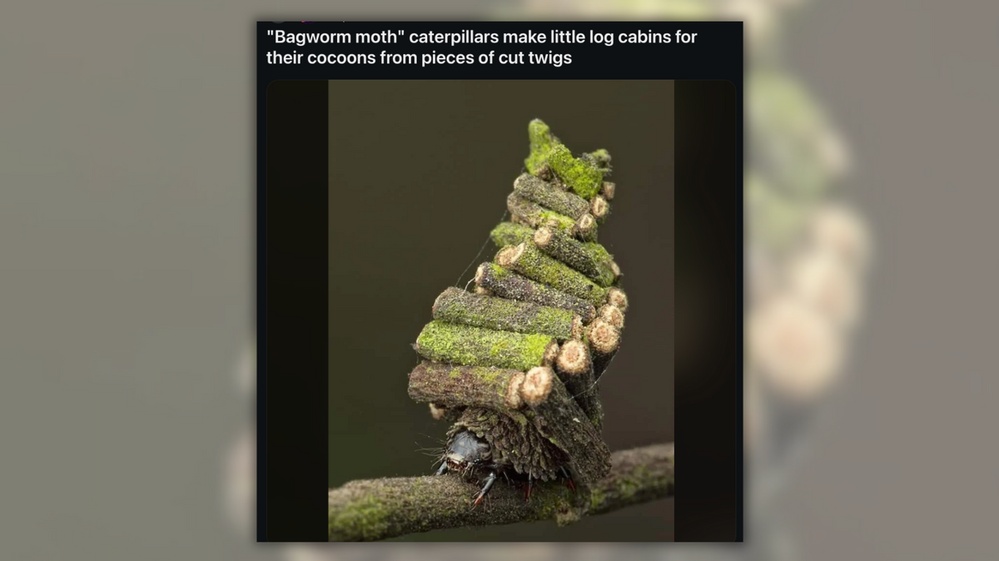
{"x":531,"y":262}
{"x":583,"y":175}
{"x":576,"y":254}
{"x":466,"y":386}
{"x":454,"y":343}
{"x":507,"y":284}
{"x":562,"y":421}
{"x":530,"y":213}
{"x":575,"y":368}
{"x":549,"y":196}
{"x":510,"y":233}
{"x":379,"y":509}
{"x":455,"y":305}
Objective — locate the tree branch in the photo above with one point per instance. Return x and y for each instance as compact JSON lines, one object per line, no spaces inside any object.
{"x":377,"y":509}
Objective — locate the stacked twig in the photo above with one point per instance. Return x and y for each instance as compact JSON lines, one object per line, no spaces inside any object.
{"x":545,"y":317}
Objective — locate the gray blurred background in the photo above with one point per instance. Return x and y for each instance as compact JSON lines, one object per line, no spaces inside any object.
{"x":127,"y":165}
{"x":419,"y":175}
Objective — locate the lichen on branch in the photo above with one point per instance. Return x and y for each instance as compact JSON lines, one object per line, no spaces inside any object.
{"x":379,"y":509}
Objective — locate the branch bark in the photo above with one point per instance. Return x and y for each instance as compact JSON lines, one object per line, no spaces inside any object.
{"x":378,"y":509}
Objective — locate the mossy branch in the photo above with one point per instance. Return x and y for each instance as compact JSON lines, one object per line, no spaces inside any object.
{"x":378,"y":509}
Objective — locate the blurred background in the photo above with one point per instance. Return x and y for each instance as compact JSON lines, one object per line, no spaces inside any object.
{"x":419,"y":175}
{"x":127,"y":165}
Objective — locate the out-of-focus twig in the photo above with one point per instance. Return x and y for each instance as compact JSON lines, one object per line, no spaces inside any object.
{"x":378,"y":509}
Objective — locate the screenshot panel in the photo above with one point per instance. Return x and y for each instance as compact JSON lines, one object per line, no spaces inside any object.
{"x":500,"y":281}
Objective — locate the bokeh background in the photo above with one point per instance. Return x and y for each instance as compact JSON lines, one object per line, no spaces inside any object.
{"x":126,"y":161}
{"x":419,"y":175}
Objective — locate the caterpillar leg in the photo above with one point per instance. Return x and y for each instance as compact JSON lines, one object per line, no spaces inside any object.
{"x":481,"y":495}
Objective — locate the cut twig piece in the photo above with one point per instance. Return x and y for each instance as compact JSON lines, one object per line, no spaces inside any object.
{"x":586,"y":228}
{"x":538,"y":383}
{"x":510,"y":233}
{"x":507,"y":284}
{"x":542,"y":140}
{"x":576,"y":371}
{"x":455,"y":305}
{"x":589,"y":399}
{"x":447,"y":386}
{"x":534,"y":215}
{"x":602,"y":257}
{"x":601,"y":362}
{"x":599,"y":208}
{"x":551,"y":353}
{"x":573,"y":358}
{"x":529,"y":261}
{"x":473,"y":346}
{"x":608,"y":189}
{"x":575,"y":254}
{"x":604,"y":338}
{"x":582,"y":175}
{"x":561,"y":420}
{"x":612,"y":315}
{"x":550,"y":196}
{"x":617,"y":297}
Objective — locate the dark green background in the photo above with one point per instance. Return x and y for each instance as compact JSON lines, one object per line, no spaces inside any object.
{"x":419,"y":173}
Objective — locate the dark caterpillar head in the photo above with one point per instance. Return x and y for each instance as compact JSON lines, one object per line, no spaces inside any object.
{"x":466,"y":452}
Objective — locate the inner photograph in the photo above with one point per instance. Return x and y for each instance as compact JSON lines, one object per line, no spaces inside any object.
{"x":501,"y":310}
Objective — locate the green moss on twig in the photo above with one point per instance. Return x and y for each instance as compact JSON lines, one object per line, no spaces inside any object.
{"x":638,"y":476}
{"x":455,"y":305}
{"x":473,"y":346}
{"x":366,"y":520}
{"x":532,"y":214}
{"x":550,"y":196}
{"x":507,"y":284}
{"x":510,"y":233}
{"x":578,"y":255}
{"x":542,"y":140}
{"x":529,"y":261}
{"x":466,"y":386}
{"x":582,"y":175}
